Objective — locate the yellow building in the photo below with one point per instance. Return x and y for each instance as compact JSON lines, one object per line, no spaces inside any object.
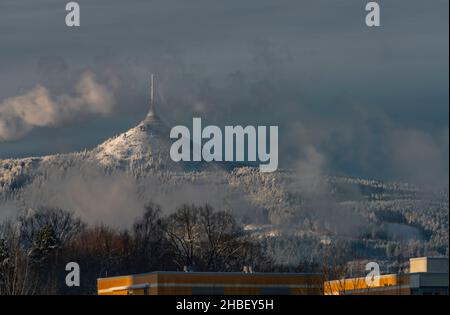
{"x":427,"y":275}
{"x":208,"y":283}
{"x":391,"y":284}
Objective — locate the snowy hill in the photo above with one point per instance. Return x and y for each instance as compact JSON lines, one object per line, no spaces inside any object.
{"x":145,"y":146}
{"x":114,"y":180}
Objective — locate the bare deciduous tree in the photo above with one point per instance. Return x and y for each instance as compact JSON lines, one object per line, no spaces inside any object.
{"x":17,"y":273}
{"x":63,"y":224}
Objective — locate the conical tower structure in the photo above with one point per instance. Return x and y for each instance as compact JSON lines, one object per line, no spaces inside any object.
{"x":152,"y":121}
{"x":147,"y":144}
{"x":143,"y":147}
{"x":151,"y":113}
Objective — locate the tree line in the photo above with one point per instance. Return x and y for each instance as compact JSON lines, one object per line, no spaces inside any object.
{"x":35,"y":248}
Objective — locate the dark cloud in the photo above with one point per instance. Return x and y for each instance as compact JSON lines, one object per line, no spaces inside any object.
{"x":373,"y":102}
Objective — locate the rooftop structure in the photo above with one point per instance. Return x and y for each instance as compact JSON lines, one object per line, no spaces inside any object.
{"x":211,"y":283}
{"x":427,"y":276}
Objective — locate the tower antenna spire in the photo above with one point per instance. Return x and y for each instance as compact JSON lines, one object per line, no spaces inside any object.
{"x":152,"y":96}
{"x":151,"y":89}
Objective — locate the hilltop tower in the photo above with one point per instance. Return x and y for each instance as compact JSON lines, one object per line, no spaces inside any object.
{"x":151,"y":112}
{"x":152,"y":121}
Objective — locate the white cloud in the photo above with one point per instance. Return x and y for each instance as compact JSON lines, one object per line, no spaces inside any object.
{"x":38,"y":108}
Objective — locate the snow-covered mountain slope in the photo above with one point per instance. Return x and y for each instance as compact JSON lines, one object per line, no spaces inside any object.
{"x":124,"y":172}
{"x":145,"y":146}
{"x":141,"y":149}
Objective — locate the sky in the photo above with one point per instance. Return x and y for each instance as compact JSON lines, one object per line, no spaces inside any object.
{"x":369,"y":102}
